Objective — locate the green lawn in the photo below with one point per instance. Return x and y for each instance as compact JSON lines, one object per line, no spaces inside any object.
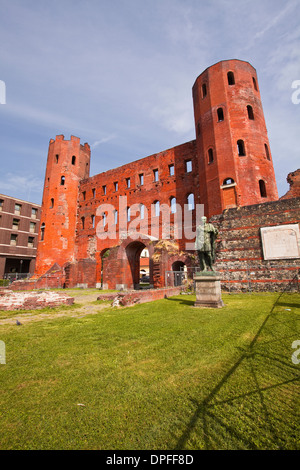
{"x":162,"y":375}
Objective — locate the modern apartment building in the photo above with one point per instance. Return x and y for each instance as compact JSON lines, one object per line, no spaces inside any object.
{"x":19,"y":227}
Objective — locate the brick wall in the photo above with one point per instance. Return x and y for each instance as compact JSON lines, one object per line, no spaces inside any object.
{"x":239,"y":248}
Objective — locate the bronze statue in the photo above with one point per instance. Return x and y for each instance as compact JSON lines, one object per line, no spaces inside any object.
{"x":206,"y":236}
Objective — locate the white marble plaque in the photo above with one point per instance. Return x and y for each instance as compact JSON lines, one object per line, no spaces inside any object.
{"x":281,"y":241}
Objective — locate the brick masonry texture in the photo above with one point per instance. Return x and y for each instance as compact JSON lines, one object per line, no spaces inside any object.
{"x":10,"y":300}
{"x":227,"y":168}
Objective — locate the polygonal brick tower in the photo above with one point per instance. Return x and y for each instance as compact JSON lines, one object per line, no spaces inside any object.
{"x":235,"y":163}
{"x":68,"y":163}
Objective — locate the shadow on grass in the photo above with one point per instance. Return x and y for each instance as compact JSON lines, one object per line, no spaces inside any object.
{"x":232,"y":419}
{"x":181,"y":301}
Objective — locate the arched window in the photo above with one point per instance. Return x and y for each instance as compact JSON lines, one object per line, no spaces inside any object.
{"x":230,"y":78}
{"x":62,"y":180}
{"x":204,"y":90}
{"x":104,"y":219}
{"x":250,"y":112}
{"x":191,"y":203}
{"x":116,"y":217}
{"x":56,"y":158}
{"x":73,"y":160}
{"x":82,"y":222}
{"x":42,"y":232}
{"x":267,"y":152}
{"x":93,"y":221}
{"x":210,"y":156}
{"x":241,"y":148}
{"x":52,"y":203}
{"x":173,"y":204}
{"x":142,"y":211}
{"x":156,"y":208}
{"x":220,"y":114}
{"x":262,"y":188}
{"x":128,"y":214}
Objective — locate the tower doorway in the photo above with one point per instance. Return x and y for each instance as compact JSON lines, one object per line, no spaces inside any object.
{"x":133,"y":252}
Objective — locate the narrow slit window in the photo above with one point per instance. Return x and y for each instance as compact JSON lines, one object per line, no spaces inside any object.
{"x":82,"y":222}
{"x":141,"y":176}
{"x":173,"y":204}
{"x":254,"y":83}
{"x":42,"y":232}
{"x":156,"y":208}
{"x":155,"y":175}
{"x":56,"y":158}
{"x":116,"y":185}
{"x":51,"y":203}
{"x":104,"y":190}
{"x":267,"y":152}
{"x":241,"y":148}
{"x":171,"y":170}
{"x":62,"y":181}
{"x":230,"y":78}
{"x":73,"y":160}
{"x":142,"y":211}
{"x":204,"y":90}
{"x":220,"y":113}
{"x":116,"y":217}
{"x":250,"y":112}
{"x":93,"y":221}
{"x":190,"y":200}
{"x":262,"y":188}
{"x":128,"y":182}
{"x":210,"y":156}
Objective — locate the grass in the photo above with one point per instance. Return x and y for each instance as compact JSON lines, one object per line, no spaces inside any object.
{"x":161,"y":375}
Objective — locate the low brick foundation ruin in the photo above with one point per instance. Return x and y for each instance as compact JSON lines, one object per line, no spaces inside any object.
{"x":10,"y":300}
{"x":128,"y":298}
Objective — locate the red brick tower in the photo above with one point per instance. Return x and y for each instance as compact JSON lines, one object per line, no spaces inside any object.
{"x":68,"y":163}
{"x":235,"y":163}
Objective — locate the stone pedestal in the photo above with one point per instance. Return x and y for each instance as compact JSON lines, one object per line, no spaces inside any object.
{"x":208,"y":289}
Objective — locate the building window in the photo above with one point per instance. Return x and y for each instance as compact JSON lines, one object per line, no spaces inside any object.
{"x":34,"y":212}
{"x":62,"y":181}
{"x":173,"y":204}
{"x":141,"y":176}
{"x":51,"y":203}
{"x":30,"y":242}
{"x":82,"y":222}
{"x":228,"y":181}
{"x":142,"y":211}
{"x":83,"y":195}
{"x":204,"y":90}
{"x":230,"y":78}
{"x":15,"y":224}
{"x":156,"y":208}
{"x":254,"y":83}
{"x":1,"y":204}
{"x":220,"y":114}
{"x":104,"y":190}
{"x":267,"y":152}
{"x":116,"y":217}
{"x":241,"y":148}
{"x":188,"y":166}
{"x":42,"y":232}
{"x":190,"y":201}
{"x":93,"y":221}
{"x":18,"y":209}
{"x":32,"y":227}
{"x":171,"y":170}
{"x":210,"y":156}
{"x":250,"y":112}
{"x":116,"y":185}
{"x":128,"y":182}
{"x":155,"y":175}
{"x":56,"y":158}
{"x":93,"y":193}
{"x":128,"y":214}
{"x":13,"y":239}
{"x":262,"y":188}
{"x":73,"y":160}
{"x":104,"y":219}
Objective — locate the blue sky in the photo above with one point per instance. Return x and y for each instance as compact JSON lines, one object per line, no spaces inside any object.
{"x":119,"y":75}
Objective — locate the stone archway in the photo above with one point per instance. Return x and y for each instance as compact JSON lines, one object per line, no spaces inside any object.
{"x":133,"y":252}
{"x":178,"y":269}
